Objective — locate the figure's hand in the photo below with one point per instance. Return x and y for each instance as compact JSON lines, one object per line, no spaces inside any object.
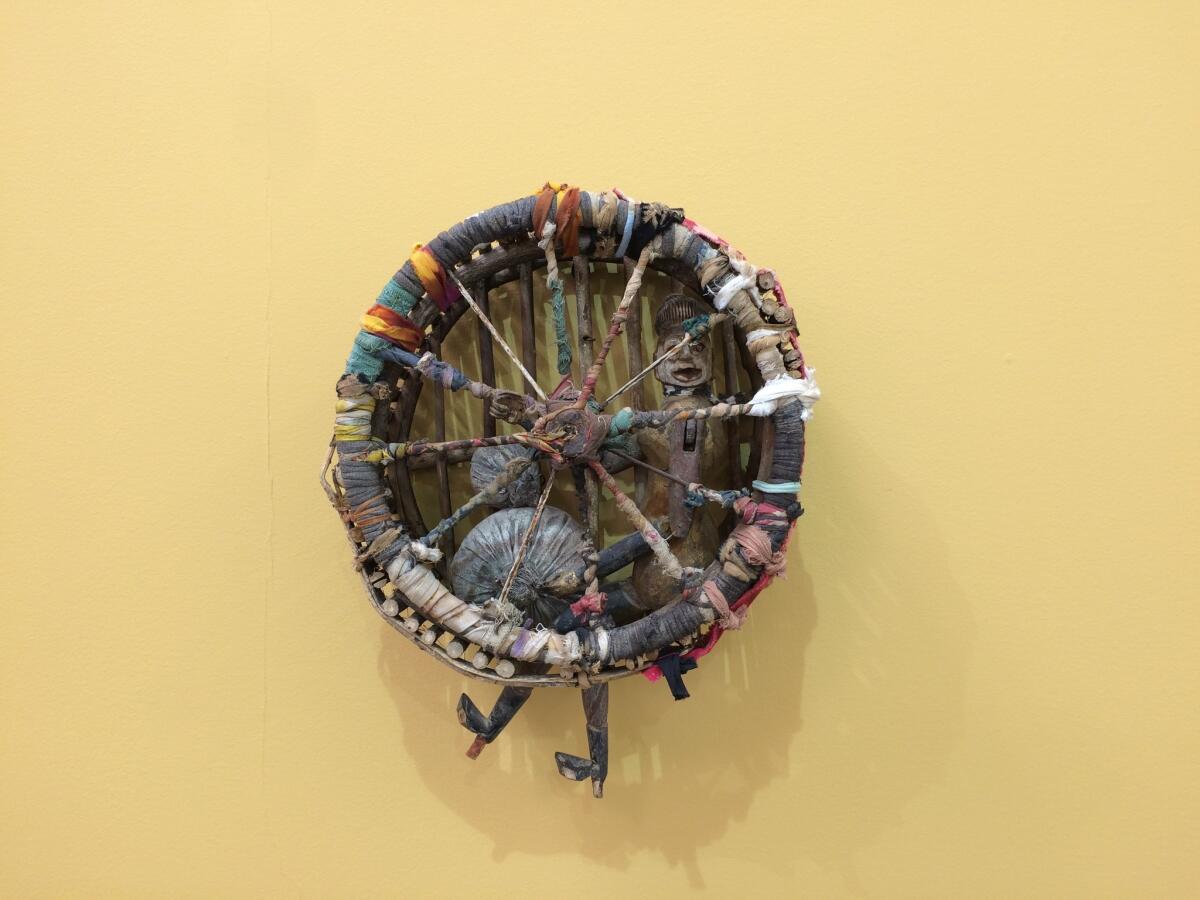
{"x":511,"y":406}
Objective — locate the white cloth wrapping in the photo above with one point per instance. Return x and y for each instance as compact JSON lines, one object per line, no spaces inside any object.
{"x":766,"y":401}
{"x":432,"y":599}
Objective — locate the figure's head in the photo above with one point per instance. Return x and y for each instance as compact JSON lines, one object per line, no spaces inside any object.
{"x":692,"y":366}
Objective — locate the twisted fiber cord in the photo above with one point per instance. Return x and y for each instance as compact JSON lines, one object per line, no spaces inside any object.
{"x":524,"y":547}
{"x":558,"y":301}
{"x":652,"y":536}
{"x":616,"y":326}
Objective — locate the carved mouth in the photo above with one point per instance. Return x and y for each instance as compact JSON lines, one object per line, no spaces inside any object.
{"x":688,"y":373}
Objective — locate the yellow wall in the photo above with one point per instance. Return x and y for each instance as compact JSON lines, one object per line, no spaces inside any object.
{"x":980,"y":677}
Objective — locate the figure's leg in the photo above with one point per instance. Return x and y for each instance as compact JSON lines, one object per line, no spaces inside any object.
{"x":487,"y":728}
{"x":595,"y":710}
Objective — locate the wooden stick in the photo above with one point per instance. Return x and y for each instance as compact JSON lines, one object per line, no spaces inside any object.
{"x":487,"y":362}
{"x":400,"y":476}
{"x":706,"y":492}
{"x":510,"y":473}
{"x":583,"y":311}
{"x":589,"y":513}
{"x":452,"y":457}
{"x":528,"y":322}
{"x":633,"y":340}
{"x":524,"y":546}
{"x":758,"y":436}
{"x":733,"y":428}
{"x":421,"y":448}
{"x":660,"y":418}
{"x":615,"y":327}
{"x":583,"y":308}
{"x":496,"y":334}
{"x":658,"y":545}
{"x":445,"y":507}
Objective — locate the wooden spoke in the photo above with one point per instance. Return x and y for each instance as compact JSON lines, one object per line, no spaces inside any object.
{"x":661,"y":418}
{"x":724,"y":498}
{"x":439,"y":432}
{"x":633,"y":342}
{"x":487,"y":362}
{"x":489,"y":495}
{"x":616,"y":325}
{"x":496,"y":334}
{"x":589,"y":513}
{"x":583,"y":311}
{"x":430,"y":368}
{"x":655,"y":540}
{"x":528,"y":323}
{"x":389,"y":452}
{"x":525,"y":538}
{"x":733,"y":435}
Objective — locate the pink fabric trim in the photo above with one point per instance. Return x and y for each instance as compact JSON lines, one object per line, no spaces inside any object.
{"x":698,"y":229}
{"x":653,"y":673}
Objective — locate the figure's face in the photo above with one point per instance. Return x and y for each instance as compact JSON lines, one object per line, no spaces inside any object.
{"x":690,"y":367}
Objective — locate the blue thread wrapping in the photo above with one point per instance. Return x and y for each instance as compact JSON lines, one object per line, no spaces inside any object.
{"x":777,"y":487}
{"x":628,"y":233}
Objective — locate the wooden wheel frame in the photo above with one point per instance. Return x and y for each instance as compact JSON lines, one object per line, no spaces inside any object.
{"x":368,"y":472}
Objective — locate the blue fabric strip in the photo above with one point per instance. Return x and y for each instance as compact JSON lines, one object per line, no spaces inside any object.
{"x":780,"y":487}
{"x":628,"y":230}
{"x":394,"y":297}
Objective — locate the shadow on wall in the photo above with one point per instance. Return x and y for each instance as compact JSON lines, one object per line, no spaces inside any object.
{"x":681,"y":773}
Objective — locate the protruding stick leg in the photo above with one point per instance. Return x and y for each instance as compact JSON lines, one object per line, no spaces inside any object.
{"x":595,"y":710}
{"x":487,"y":728}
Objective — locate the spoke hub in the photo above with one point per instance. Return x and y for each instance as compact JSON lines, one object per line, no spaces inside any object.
{"x":584,"y":430}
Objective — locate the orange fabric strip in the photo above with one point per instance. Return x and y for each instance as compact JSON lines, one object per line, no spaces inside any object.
{"x":391,"y":326}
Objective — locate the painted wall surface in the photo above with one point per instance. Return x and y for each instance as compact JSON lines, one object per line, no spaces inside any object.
{"x":980,"y":677}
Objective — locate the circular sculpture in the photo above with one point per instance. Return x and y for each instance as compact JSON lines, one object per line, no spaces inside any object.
{"x":532,"y":595}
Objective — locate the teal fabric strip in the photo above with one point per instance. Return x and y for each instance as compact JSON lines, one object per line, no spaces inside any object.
{"x":777,"y":487}
{"x":696,"y":326}
{"x":397,"y":298}
{"x":621,"y":422}
{"x":561,"y":337}
{"x":364,"y":359}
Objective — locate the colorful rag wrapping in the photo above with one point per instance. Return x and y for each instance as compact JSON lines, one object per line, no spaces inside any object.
{"x":566,"y":215}
{"x":392,"y":327}
{"x":437,"y":283}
